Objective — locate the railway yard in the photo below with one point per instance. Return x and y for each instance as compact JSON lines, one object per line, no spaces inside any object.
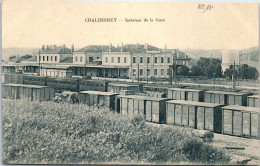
{"x":231,"y":114}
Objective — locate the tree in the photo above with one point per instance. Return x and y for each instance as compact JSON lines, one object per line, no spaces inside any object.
{"x":183,"y":70}
{"x":208,"y":67}
{"x":247,"y":72}
{"x":195,"y":71}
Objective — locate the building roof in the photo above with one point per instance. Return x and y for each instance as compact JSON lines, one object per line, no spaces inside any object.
{"x":194,"y":103}
{"x":254,"y":96}
{"x":56,"y":50}
{"x":67,"y":60}
{"x":18,"y":59}
{"x":228,"y":93}
{"x":32,"y":59}
{"x":184,"y":89}
{"x":94,"y":49}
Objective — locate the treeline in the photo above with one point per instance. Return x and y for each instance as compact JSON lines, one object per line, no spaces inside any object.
{"x":207,"y":67}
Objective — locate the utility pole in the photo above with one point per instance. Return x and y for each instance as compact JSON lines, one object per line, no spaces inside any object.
{"x":234,"y":76}
{"x":39,"y":62}
{"x":118,"y":72}
{"x":175,"y":68}
{"x":138,"y":75}
{"x":147,"y":70}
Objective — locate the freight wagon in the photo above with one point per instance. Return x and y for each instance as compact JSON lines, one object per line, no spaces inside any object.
{"x":12,"y":78}
{"x":186,"y":94}
{"x":253,"y":101}
{"x":30,"y":92}
{"x":117,"y":87}
{"x":241,"y":121}
{"x":35,"y":80}
{"x":198,"y":115}
{"x":153,"y":109}
{"x":63,"y":83}
{"x":94,"y":85}
{"x":92,"y":98}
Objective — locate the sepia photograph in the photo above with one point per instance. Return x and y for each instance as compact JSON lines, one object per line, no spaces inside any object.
{"x":130,"y":83}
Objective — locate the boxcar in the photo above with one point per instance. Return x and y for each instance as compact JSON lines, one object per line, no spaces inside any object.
{"x":30,"y":92}
{"x":12,"y":78}
{"x":98,"y":98}
{"x":176,"y":93}
{"x":238,"y":98}
{"x":198,"y":115}
{"x":253,"y":101}
{"x":219,"y":97}
{"x":240,"y":121}
{"x":117,"y":87}
{"x":63,"y":83}
{"x":93,"y":85}
{"x":35,"y":80}
{"x":153,"y":109}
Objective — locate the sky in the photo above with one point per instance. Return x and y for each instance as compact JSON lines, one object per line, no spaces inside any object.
{"x":30,"y":24}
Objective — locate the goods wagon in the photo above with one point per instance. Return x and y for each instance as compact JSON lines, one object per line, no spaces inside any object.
{"x":117,"y":87}
{"x":153,"y":109}
{"x":30,"y":92}
{"x":253,"y":101}
{"x":219,"y":97}
{"x":63,"y":83}
{"x":237,"y":98}
{"x":98,"y":98}
{"x":198,"y":115}
{"x":35,"y":80}
{"x":12,"y":78}
{"x":240,"y":121}
{"x":93,"y":85}
{"x":186,"y":94}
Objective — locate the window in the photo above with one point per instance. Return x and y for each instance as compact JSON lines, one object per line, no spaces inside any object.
{"x":118,"y":59}
{"x":162,"y":72}
{"x":76,"y":59}
{"x":148,"y":72}
{"x":90,"y":59}
{"x":124,"y":59}
{"x":47,"y":58}
{"x":55,"y":58}
{"x":169,"y":60}
{"x":155,"y":72}
{"x":148,"y":59}
{"x":155,"y":60}
{"x":141,"y":72}
{"x":161,"y":59}
{"x":112,"y":60}
{"x":134,"y":59}
{"x":43,"y":58}
{"x":80,"y":59}
{"x":141,"y":59}
{"x":51,"y":58}
{"x":106,"y":59}
{"x":134,"y":72}
{"x":97,"y":57}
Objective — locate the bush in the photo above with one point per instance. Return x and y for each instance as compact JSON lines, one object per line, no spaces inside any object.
{"x":55,"y":133}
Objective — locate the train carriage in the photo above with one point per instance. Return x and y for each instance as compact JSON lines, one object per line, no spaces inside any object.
{"x":93,"y":85}
{"x":198,"y":115}
{"x":241,"y":121}
{"x":63,"y":83}
{"x":253,"y":101}
{"x":35,"y":80}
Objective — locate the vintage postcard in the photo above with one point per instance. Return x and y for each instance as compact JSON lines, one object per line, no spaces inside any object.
{"x":127,"y":82}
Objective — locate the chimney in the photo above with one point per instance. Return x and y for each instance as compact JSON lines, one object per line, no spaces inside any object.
{"x":72,"y":48}
{"x":47,"y":46}
{"x":137,"y":45}
{"x":110,"y":47}
{"x":43,"y":47}
{"x":146,"y":46}
{"x":102,"y":48}
{"x":122,"y":47}
{"x":165,"y":47}
{"x":55,"y":46}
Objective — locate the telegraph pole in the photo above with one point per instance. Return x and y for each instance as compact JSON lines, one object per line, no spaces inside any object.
{"x":138,"y":76}
{"x":234,"y":76}
{"x":39,"y":62}
{"x":147,"y":70}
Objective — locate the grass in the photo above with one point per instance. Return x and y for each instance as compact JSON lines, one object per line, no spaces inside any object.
{"x":56,"y":133}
